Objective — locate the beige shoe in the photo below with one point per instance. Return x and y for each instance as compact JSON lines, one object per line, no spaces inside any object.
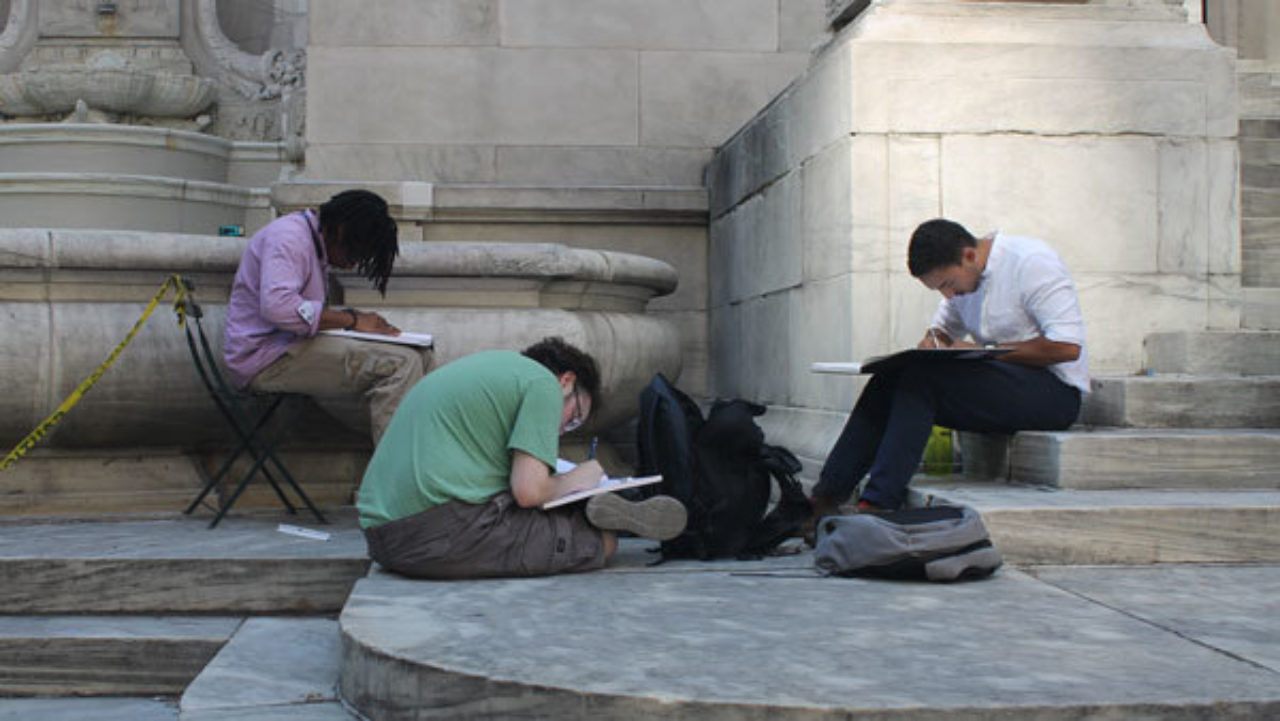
{"x":660,"y":518}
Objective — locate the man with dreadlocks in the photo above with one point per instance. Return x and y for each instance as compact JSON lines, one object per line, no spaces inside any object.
{"x":278,"y":305}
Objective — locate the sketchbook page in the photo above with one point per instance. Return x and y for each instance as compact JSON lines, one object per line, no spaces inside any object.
{"x":606,"y":485}
{"x":849,"y":368}
{"x":420,"y":340}
{"x":563,"y":466}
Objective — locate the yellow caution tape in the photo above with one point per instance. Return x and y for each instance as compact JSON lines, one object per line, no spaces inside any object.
{"x":175,"y":282}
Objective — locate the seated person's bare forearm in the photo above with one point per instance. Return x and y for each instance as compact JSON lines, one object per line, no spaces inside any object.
{"x":533,"y":484}
{"x":1040,"y":352}
{"x":352,"y":319}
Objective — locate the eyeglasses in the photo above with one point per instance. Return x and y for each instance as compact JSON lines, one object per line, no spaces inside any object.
{"x":577,"y":419}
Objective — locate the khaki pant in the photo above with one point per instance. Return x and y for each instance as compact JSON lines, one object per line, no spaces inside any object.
{"x":333,"y":370}
{"x":494,"y":538}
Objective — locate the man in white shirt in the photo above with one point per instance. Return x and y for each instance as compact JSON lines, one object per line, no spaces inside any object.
{"x":999,"y":290}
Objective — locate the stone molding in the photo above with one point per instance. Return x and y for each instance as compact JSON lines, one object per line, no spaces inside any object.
{"x":96,"y":250}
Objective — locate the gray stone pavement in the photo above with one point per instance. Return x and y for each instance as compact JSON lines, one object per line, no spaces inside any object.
{"x":744,"y":640}
{"x":721,"y":640}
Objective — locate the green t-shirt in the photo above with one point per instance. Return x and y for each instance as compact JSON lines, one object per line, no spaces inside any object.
{"x":452,"y":435}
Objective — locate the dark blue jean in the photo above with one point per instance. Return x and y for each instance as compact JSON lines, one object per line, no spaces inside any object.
{"x":889,"y":427}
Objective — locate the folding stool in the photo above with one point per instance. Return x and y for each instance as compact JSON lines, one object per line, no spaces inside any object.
{"x":250,"y":430}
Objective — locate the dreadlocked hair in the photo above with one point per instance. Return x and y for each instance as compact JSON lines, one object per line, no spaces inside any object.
{"x":366,"y":231}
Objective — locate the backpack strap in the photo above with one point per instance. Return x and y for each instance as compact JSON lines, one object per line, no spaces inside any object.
{"x":793,"y":507}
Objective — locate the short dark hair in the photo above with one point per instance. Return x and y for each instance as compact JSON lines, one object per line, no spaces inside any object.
{"x":367,"y":233}
{"x":560,"y":357}
{"x":937,"y":243}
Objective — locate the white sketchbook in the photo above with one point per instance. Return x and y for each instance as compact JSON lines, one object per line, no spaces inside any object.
{"x":880,"y":364}
{"x":606,"y":485}
{"x":420,"y":340}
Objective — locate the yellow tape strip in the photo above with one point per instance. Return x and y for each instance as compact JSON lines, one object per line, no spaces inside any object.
{"x":175,"y":282}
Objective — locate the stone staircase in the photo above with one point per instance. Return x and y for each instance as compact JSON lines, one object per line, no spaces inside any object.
{"x":240,"y":622}
{"x":1260,"y":197}
{"x":1181,"y":465}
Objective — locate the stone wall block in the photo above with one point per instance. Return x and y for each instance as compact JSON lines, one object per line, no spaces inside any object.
{"x":1157,"y":303}
{"x":1182,"y":206}
{"x":997,"y":85}
{"x":654,"y":24}
{"x":1223,"y":101}
{"x":1228,"y":303}
{"x":768,"y":336}
{"x":697,"y":99}
{"x":659,"y":166}
{"x":914,"y":189}
{"x":1055,"y":106}
{"x":727,"y":353}
{"x":403,"y":22}
{"x":404,"y":160}
{"x":26,"y":384}
{"x":728,"y":253}
{"x":802,"y":24}
{"x":24,"y":247}
{"x":818,"y":110}
{"x":120,"y":410}
{"x":773,"y":252}
{"x":830,"y":206}
{"x":846,"y":208}
{"x":1092,"y":198}
{"x":909,"y":310}
{"x":526,"y":97}
{"x":1223,"y":172}
{"x":825,"y":331}
{"x":695,"y":360}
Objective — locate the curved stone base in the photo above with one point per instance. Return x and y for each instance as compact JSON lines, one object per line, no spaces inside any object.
{"x":70,"y":296}
{"x":712,"y":641}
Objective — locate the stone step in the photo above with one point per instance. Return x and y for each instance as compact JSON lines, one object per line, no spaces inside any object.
{"x":243,"y":566}
{"x":1261,"y":309}
{"x":1183,"y":401}
{"x":1213,"y":352}
{"x":1036,"y":525}
{"x":1259,"y":128}
{"x":79,"y":709}
{"x":1145,"y":458}
{"x":1260,"y":176}
{"x":106,"y":655}
{"x":272,"y":668}
{"x":1259,"y":94}
{"x":738,"y":640}
{"x":1260,"y":252}
{"x":1259,"y":202}
{"x":1259,"y":153}
{"x":90,"y":483}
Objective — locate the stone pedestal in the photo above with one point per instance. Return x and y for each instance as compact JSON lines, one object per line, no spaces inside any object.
{"x":1106,"y":129}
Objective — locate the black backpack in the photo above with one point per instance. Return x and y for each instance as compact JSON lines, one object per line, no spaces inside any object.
{"x":720,"y":469}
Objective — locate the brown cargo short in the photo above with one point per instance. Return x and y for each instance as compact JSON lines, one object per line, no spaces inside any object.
{"x":495,"y":538}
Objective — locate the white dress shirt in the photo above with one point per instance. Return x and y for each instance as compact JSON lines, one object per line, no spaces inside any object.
{"x":1025,"y":291}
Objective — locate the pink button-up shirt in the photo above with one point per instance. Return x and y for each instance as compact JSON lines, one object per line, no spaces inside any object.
{"x":277,"y":296}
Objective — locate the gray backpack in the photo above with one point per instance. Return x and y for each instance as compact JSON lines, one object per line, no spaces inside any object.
{"x":938,"y":543}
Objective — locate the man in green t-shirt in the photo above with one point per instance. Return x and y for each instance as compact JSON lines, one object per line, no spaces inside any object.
{"x":455,"y":486}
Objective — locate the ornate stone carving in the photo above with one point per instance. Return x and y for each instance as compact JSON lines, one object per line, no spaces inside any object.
{"x":256,"y":77}
{"x":262,"y":96}
{"x":57,"y":89}
{"x":19,"y":34}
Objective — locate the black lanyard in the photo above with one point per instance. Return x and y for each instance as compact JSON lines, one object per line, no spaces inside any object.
{"x":315,"y":236}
